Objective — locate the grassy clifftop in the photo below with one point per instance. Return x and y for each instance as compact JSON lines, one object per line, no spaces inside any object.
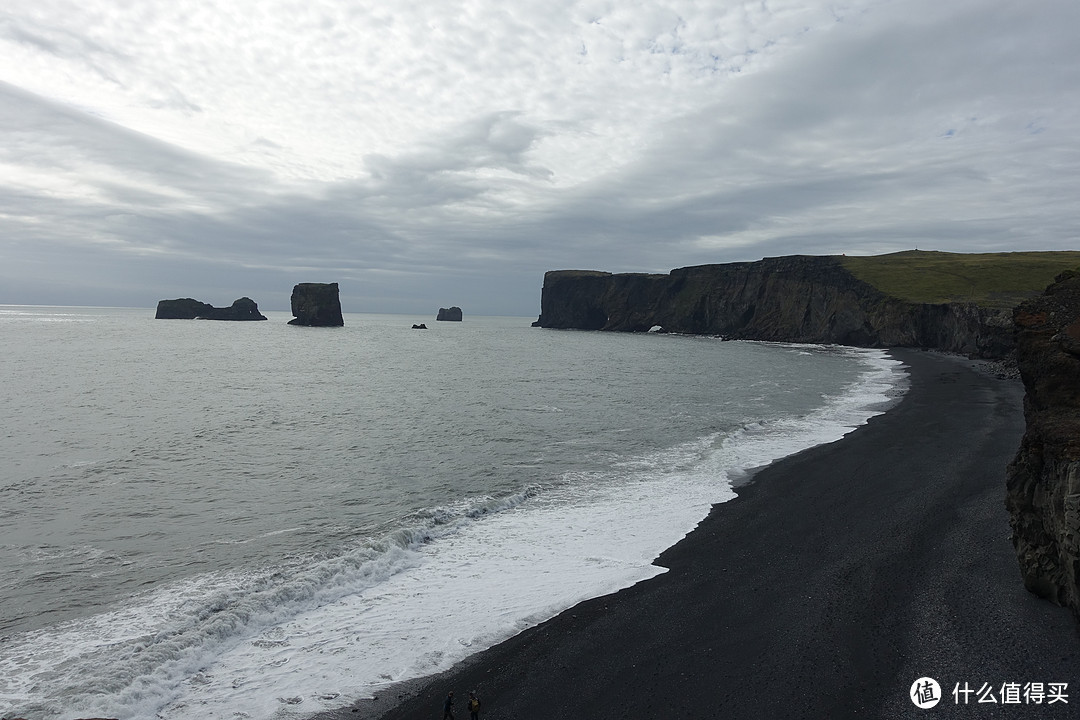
{"x":992,"y":280}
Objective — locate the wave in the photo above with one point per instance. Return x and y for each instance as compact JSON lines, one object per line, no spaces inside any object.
{"x":413,"y":598}
{"x":134,"y":659}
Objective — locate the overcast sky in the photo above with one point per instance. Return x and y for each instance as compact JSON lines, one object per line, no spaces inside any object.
{"x":448,"y":152}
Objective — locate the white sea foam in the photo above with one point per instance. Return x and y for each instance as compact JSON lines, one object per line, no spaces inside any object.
{"x":449,"y":582}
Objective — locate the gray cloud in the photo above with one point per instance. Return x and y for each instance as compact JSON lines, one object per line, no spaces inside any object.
{"x":452,"y":155}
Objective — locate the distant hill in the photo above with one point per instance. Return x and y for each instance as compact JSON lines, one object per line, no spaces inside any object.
{"x":991,"y":280}
{"x":949,"y":301}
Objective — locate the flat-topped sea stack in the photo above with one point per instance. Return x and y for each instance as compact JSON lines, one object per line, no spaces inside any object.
{"x":452,"y":314}
{"x":948,"y":301}
{"x":1043,"y":484}
{"x":316,"y":305}
{"x":189,"y":309}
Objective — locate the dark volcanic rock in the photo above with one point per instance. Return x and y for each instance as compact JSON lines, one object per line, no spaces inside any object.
{"x":453,"y":314}
{"x":1043,"y":487}
{"x":316,"y":304}
{"x":181,"y":309}
{"x":792,"y":299}
{"x":242,"y":309}
{"x":188,"y":309}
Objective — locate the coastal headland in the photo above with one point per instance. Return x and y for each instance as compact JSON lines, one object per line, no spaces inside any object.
{"x":946,"y":301}
{"x":837,"y":578}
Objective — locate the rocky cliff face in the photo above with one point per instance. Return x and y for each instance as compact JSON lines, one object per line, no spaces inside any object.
{"x":1043,"y":495}
{"x":316,"y":304}
{"x":189,"y":309}
{"x":793,"y":299}
{"x":181,"y":309}
{"x":452,"y":314}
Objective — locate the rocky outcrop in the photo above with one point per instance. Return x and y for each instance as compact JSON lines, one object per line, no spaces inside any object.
{"x":791,"y":299}
{"x":241,"y":309}
{"x":317,"y":305}
{"x":181,"y":309}
{"x":1043,"y":486}
{"x":452,"y":314}
{"x":189,"y":309}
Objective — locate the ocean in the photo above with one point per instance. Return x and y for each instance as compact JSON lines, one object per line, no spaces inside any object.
{"x":256,"y":520}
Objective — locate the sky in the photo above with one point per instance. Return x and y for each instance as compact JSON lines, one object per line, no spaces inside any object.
{"x":449,"y":152}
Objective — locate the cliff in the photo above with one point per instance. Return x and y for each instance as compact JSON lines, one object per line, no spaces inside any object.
{"x":1043,"y":484}
{"x":316,"y":304}
{"x":189,"y":309}
{"x":792,"y":299}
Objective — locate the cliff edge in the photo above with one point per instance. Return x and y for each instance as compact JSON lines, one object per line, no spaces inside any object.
{"x":1043,"y":485}
{"x":813,"y":299}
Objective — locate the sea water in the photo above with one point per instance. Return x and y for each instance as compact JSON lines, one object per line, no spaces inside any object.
{"x":255,"y":520}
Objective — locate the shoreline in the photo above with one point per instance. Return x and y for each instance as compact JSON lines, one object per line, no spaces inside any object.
{"x":839,"y":576}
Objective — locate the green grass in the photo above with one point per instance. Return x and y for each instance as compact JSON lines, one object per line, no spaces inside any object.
{"x":997,"y":280}
{"x":579,"y":273}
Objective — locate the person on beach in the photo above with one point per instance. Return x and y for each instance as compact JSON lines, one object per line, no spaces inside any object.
{"x":474,"y":706}
{"x":448,"y":707}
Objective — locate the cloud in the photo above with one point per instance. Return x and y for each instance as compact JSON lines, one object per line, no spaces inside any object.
{"x":424,"y":150}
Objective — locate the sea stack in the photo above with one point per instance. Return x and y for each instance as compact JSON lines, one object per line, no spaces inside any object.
{"x":452,"y":313}
{"x":188,"y":309}
{"x":1043,"y":481}
{"x":316,"y":305}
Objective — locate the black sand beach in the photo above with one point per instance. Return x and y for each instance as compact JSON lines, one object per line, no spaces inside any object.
{"x":837,"y":578}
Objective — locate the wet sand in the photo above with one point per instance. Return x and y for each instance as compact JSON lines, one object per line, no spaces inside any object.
{"x":837,"y":578}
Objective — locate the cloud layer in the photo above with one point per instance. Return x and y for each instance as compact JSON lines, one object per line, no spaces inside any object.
{"x":450,"y":153}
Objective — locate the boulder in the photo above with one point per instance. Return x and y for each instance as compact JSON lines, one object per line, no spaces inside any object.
{"x":452,"y":313}
{"x":1043,"y":480}
{"x":188,"y":309}
{"x":421,"y":326}
{"x":316,"y":305}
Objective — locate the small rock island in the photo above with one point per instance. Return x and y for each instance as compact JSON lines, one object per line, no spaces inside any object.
{"x":188,"y":309}
{"x":452,"y":314}
{"x":316,"y":305}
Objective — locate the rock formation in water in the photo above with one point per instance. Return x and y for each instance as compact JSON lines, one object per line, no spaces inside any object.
{"x":1043,"y":486}
{"x":316,"y":304}
{"x":452,"y":314}
{"x":181,"y":309}
{"x":189,"y":309}
{"x":792,"y":299}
